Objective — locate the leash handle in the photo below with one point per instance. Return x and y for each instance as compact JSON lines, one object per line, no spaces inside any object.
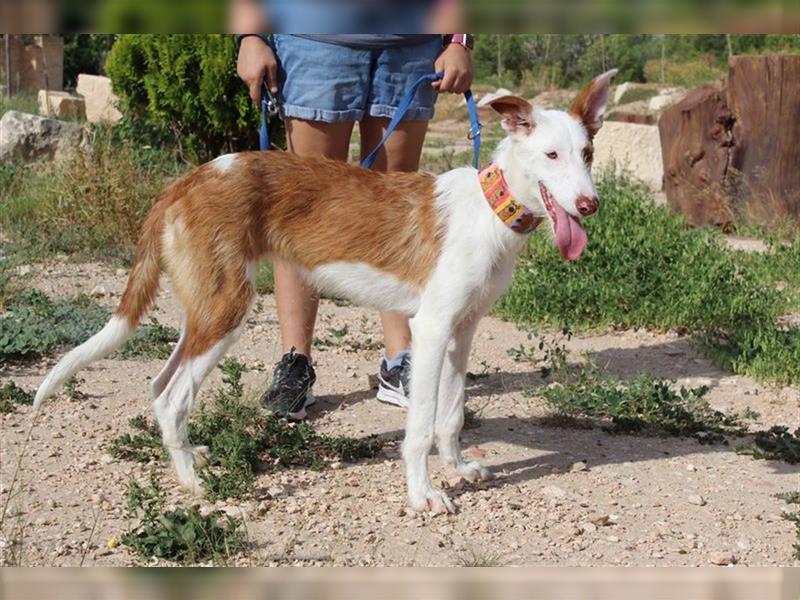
{"x":269,"y":107}
{"x":474,"y":127}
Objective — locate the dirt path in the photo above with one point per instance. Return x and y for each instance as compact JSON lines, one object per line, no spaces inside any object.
{"x":562,"y":496}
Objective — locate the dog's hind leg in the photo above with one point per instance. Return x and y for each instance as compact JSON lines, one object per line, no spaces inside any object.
{"x":450,"y":404}
{"x":213,"y":324}
{"x":159,"y":383}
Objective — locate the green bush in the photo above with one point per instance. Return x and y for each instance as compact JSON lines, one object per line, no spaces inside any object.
{"x":186,"y":86}
{"x":644,"y":267}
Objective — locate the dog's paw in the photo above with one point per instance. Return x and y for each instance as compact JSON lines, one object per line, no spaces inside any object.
{"x":474,"y":471}
{"x":433,"y":501}
{"x":200,"y":454}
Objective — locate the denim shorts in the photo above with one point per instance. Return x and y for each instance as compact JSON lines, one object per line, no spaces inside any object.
{"x":327,"y":82}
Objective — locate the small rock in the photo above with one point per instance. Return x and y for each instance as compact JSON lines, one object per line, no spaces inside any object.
{"x":691,"y":468}
{"x":553,"y":491}
{"x":336,"y":465}
{"x":276,"y":491}
{"x":613,"y":539}
{"x":121,"y":272}
{"x":579,"y":466}
{"x":743,"y":544}
{"x":107,"y":459}
{"x":600,"y":520}
{"x":697,"y":500}
{"x":98,"y":291}
{"x":588,"y":527}
{"x":721,"y":559}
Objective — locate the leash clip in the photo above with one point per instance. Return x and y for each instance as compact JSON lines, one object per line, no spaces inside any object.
{"x":475,"y":132}
{"x":268,"y":102}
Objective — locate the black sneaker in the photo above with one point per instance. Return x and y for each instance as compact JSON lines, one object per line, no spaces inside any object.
{"x":394,"y":384}
{"x":290,"y":392}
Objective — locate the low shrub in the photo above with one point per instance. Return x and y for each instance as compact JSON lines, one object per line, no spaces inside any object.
{"x":179,"y":534}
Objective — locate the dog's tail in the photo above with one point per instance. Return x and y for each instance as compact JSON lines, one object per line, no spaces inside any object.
{"x":137,"y":299}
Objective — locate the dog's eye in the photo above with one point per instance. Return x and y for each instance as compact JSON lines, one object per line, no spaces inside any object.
{"x":552,"y":155}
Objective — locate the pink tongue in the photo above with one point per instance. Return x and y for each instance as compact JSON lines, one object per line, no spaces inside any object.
{"x":570,"y":237}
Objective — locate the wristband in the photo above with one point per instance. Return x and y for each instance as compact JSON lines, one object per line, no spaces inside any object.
{"x":241,"y":36}
{"x":462,"y":39}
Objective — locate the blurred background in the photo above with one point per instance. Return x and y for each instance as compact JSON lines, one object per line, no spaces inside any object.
{"x":508,"y":16}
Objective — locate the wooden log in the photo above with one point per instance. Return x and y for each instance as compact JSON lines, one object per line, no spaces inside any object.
{"x":696,"y":149}
{"x":764,"y":97}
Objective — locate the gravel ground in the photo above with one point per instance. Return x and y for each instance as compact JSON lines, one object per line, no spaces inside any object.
{"x":562,"y":495}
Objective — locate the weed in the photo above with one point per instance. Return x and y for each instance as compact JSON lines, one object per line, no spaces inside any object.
{"x":27,"y":103}
{"x":472,"y":558}
{"x":485,"y":371}
{"x":554,"y":353}
{"x":776,"y":443}
{"x":794,"y":516}
{"x":243,"y":439}
{"x":265,"y":279}
{"x":637,"y":93}
{"x":92,"y":203}
{"x":35,"y":324}
{"x":11,"y":395}
{"x":644,"y":405}
{"x":71,"y":390}
{"x":180,"y":535}
{"x":153,"y":341}
{"x":143,"y":446}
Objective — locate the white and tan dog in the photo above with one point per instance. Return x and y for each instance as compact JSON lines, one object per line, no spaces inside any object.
{"x":439,"y":249}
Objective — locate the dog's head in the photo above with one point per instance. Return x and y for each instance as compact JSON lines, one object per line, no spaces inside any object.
{"x":551,"y":152}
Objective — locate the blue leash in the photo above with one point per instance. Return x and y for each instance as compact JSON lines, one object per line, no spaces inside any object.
{"x":269,"y":107}
{"x":474,"y":125}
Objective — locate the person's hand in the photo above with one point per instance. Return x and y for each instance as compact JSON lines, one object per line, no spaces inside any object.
{"x":257,"y":60}
{"x":456,"y":63}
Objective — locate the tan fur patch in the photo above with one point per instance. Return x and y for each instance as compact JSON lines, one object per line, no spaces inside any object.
{"x":205,"y":228}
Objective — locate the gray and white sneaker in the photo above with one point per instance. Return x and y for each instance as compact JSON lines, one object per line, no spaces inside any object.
{"x":394,"y":384}
{"x":290,"y":393}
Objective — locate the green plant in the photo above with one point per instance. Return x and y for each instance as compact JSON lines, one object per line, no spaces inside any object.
{"x":22,"y":102}
{"x":645,"y":404}
{"x":12,"y":395}
{"x":637,"y":93}
{"x":35,"y":324}
{"x":180,"y":535}
{"x":71,"y":388}
{"x":776,"y":443}
{"x":793,"y":516}
{"x":151,"y":341}
{"x":91,"y":203}
{"x":265,"y":280}
{"x":186,"y":86}
{"x":143,"y":446}
{"x":243,"y":439}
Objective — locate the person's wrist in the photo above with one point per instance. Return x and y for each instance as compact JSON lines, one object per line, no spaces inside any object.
{"x":255,"y":37}
{"x":463,"y":40}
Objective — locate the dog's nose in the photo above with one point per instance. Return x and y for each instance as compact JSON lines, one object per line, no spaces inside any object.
{"x":586,"y":205}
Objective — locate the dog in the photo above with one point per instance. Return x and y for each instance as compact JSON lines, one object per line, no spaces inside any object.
{"x":440,"y":249}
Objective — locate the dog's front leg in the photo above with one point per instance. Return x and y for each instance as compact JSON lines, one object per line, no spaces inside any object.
{"x":450,"y":404}
{"x":429,"y":343}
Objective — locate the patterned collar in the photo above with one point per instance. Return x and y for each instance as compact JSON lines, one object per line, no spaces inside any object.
{"x":495,"y":189}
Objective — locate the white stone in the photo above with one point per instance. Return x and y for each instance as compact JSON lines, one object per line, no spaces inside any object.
{"x":632,"y":149}
{"x":662,"y":101}
{"x":102,"y":105}
{"x":619,"y":92}
{"x":30,"y":137}
{"x":61,"y":105}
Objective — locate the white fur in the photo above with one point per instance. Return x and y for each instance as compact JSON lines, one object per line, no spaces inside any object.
{"x":224,"y":163}
{"x":115,"y":333}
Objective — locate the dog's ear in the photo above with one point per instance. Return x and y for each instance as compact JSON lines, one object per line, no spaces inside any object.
{"x":590,"y":104}
{"x":517,"y":113}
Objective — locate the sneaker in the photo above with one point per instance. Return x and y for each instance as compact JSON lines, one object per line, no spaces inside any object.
{"x":394,"y":383}
{"x":290,"y":392}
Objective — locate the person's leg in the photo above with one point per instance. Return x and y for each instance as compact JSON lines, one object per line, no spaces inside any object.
{"x":400,"y":153}
{"x":297,"y":301}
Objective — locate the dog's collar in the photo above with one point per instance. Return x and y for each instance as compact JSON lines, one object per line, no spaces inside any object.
{"x":516,"y":217}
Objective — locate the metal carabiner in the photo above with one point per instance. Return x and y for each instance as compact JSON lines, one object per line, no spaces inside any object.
{"x":268,"y":101}
{"x":473,"y":133}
